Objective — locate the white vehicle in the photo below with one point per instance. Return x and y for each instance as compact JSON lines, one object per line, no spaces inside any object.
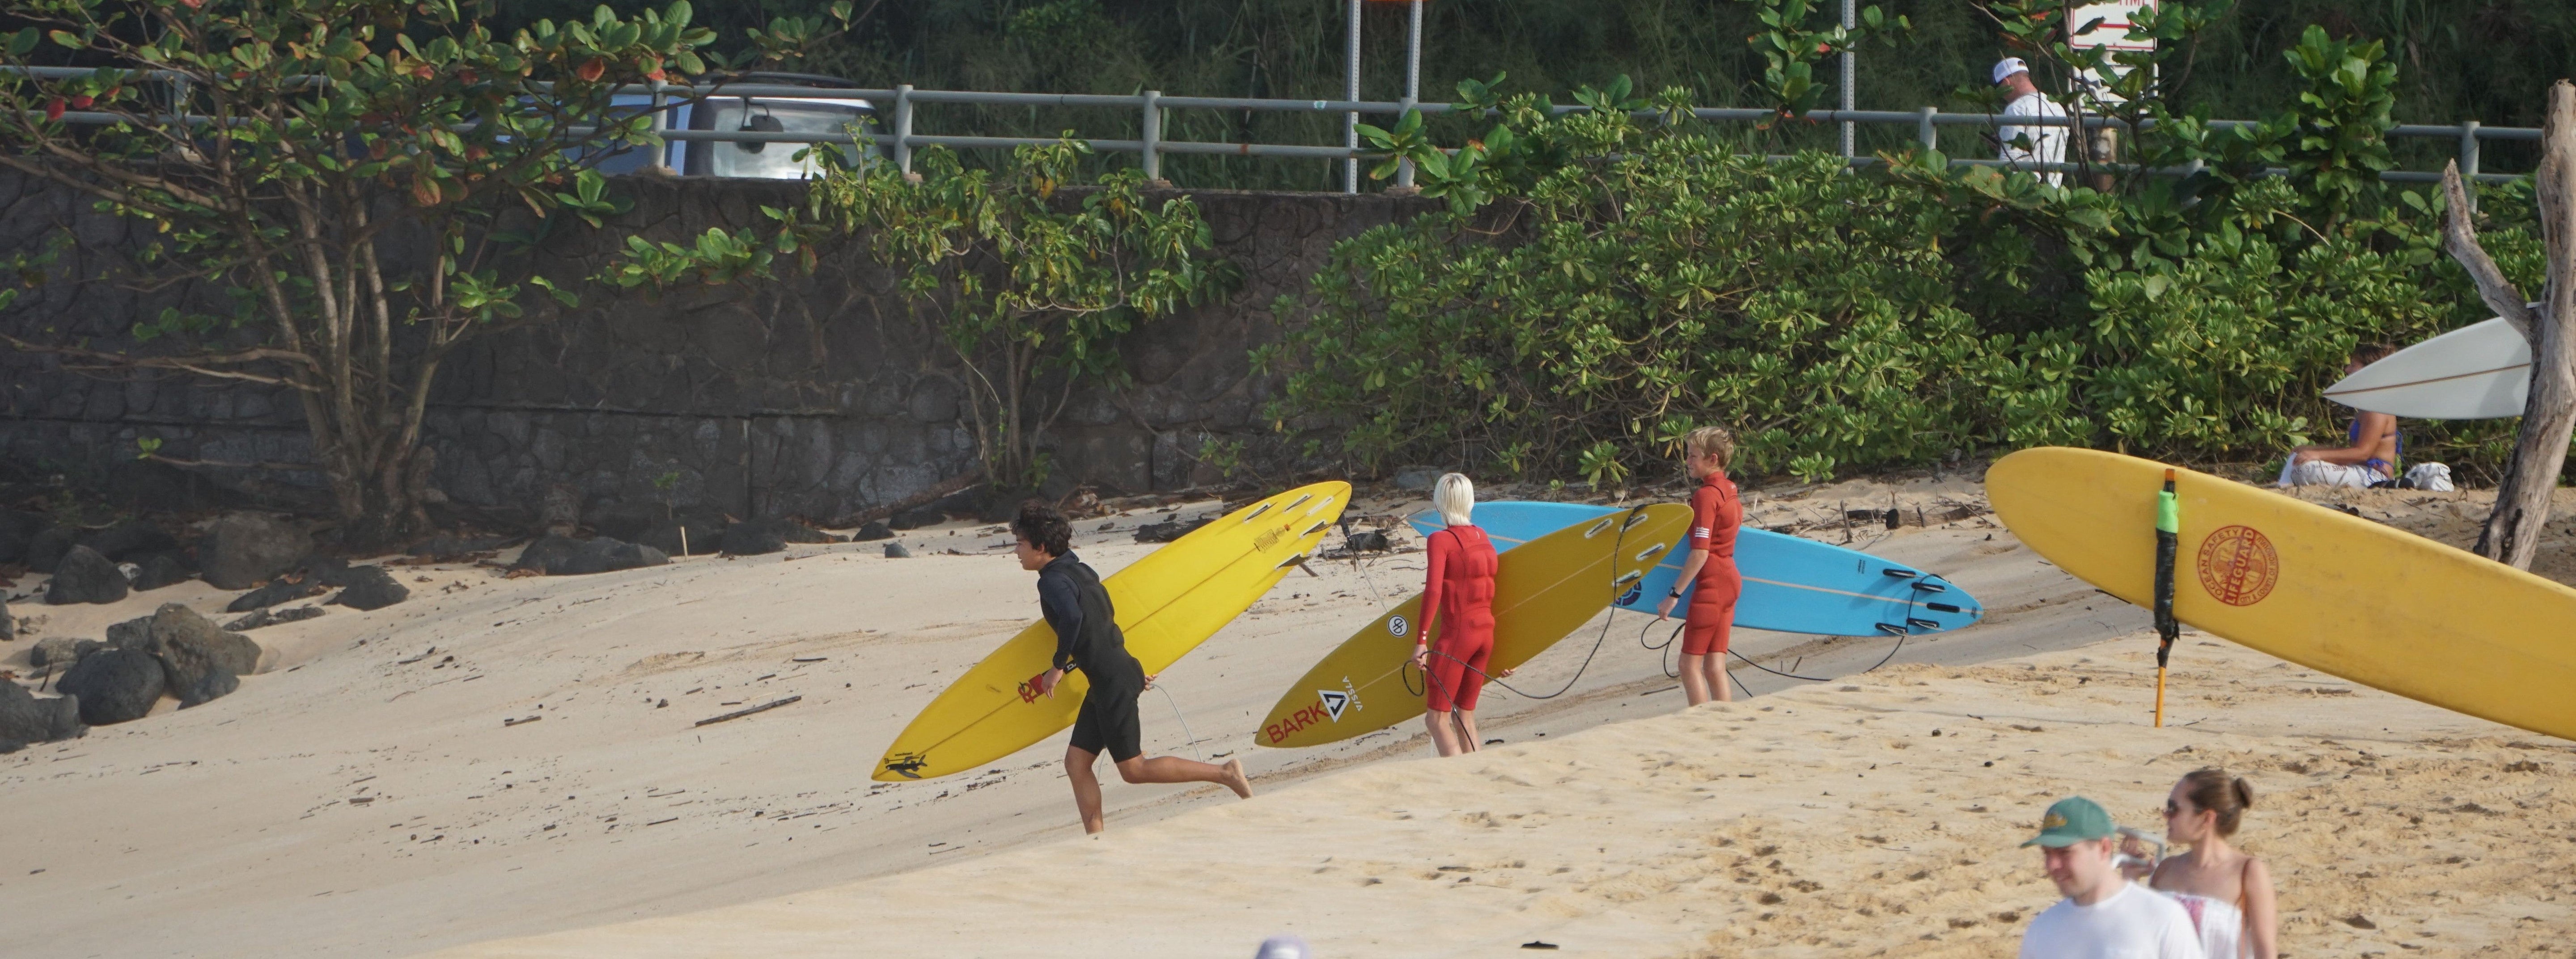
{"x":771,"y":161}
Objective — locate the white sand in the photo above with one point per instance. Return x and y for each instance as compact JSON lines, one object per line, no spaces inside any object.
{"x":238,"y":828}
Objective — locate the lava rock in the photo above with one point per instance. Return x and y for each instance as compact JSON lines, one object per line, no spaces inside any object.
{"x":625,"y":520}
{"x":84,"y":576}
{"x":245,"y":548}
{"x":190,"y":647}
{"x":873,"y":531}
{"x":134,"y":633}
{"x":896,"y":551}
{"x":284,"y":589}
{"x":212,"y":686}
{"x":115,"y":685}
{"x":1418,"y":479}
{"x":45,"y":550}
{"x":159,"y":570}
{"x":130,"y":539}
{"x":369,"y":587}
{"x":8,"y":623}
{"x":25,"y":718}
{"x":1168,"y":530}
{"x":918,"y":517}
{"x":60,"y":652}
{"x":548,"y":552}
{"x":753,"y":537}
{"x":272,"y":617}
{"x":565,"y":556}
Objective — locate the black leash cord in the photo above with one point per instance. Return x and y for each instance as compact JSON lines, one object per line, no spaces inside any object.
{"x":1616,"y":545}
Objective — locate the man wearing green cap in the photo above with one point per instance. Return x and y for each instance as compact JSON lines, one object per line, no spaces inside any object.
{"x":2104,"y":915}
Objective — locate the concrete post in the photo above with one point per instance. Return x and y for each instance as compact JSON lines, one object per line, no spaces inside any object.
{"x":1154,"y":141}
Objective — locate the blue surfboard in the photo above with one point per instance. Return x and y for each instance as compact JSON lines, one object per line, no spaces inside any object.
{"x":1791,"y":584}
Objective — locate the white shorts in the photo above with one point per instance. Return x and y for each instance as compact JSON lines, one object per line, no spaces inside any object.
{"x":2322,"y":473}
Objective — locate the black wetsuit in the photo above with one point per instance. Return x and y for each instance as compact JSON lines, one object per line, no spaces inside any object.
{"x":1087,"y":639}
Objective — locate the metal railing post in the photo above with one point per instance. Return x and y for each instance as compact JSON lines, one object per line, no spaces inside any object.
{"x":1154,"y":139}
{"x":662,"y":153}
{"x":1412,"y":83}
{"x":903,"y":130}
{"x":1351,"y":93}
{"x":1927,"y":131}
{"x":1848,"y":71}
{"x":2469,"y":162}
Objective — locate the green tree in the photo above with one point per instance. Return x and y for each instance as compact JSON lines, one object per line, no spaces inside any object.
{"x":356,"y":185}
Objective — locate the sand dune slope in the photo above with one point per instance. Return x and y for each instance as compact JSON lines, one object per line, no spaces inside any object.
{"x":1863,"y":818}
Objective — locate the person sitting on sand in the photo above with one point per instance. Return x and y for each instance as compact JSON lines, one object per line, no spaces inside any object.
{"x":2369,"y":453}
{"x":2227,"y":893}
{"x":1087,"y":638}
{"x":1457,"y":603}
{"x":1716,"y":513}
{"x":2104,"y":915}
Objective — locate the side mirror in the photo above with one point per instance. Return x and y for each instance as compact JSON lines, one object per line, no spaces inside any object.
{"x":763,"y":123}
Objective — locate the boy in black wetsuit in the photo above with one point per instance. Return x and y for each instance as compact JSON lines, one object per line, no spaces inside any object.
{"x":1088,"y":639}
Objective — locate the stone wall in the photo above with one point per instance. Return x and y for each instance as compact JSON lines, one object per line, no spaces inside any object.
{"x":818,"y":395}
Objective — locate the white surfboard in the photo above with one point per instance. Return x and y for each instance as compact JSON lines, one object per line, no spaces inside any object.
{"x":2476,"y":372}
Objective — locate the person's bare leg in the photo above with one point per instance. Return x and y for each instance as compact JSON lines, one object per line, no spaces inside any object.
{"x":1719,"y":686}
{"x":1694,"y":679}
{"x":1467,"y":731}
{"x":1174,"y":769}
{"x":1086,"y":787}
{"x":1443,"y":737}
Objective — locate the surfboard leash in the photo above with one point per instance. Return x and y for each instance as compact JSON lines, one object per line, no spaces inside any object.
{"x":1184,"y":721}
{"x":1616,"y":545}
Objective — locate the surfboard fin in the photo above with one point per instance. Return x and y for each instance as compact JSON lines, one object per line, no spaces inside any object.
{"x":1899,"y":573}
{"x":1928,"y":586}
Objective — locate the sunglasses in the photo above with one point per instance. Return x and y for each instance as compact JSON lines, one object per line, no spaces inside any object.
{"x":2172,"y":809}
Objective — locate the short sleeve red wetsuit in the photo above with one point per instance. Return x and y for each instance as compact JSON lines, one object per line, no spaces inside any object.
{"x":1458,"y":599}
{"x":1716,"y":513}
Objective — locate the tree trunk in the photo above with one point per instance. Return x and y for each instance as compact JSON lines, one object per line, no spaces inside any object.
{"x":2512,"y":533}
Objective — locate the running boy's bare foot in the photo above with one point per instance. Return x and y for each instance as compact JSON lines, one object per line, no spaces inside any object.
{"x":1236,"y":780}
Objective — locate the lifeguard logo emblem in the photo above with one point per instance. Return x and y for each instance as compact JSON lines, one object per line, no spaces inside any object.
{"x":2238,"y":565}
{"x":1334,"y":702}
{"x":1397,"y":627}
{"x":2053,"y":821}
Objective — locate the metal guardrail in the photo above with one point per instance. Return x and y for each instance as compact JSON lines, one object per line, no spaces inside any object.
{"x":900,"y":106}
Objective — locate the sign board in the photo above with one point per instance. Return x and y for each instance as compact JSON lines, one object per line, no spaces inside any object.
{"x":2108,"y":25}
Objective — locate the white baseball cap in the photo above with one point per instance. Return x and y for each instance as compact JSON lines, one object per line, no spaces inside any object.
{"x":2008,"y":66}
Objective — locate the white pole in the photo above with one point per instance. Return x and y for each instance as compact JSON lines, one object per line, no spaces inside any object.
{"x":1412,"y":82}
{"x":1351,"y":91}
{"x":1847,"y":99}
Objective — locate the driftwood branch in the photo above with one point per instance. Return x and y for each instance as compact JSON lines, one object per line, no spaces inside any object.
{"x":740,"y":713}
{"x":2460,"y":238}
{"x":2513,"y":531}
{"x":940,"y":490}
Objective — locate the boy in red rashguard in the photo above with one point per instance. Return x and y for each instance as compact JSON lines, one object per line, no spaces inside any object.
{"x":1458,"y":600}
{"x":1716,"y":513}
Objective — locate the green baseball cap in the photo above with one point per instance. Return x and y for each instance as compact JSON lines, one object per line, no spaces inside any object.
{"x":2070,"y":821}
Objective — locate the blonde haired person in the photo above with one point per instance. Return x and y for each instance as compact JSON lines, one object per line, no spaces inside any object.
{"x":1709,"y":572}
{"x":2227,"y":892}
{"x":1458,"y":602}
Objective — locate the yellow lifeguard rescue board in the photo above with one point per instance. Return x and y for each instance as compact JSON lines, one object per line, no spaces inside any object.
{"x":1168,"y":602}
{"x":2335,"y":593}
{"x":1543,"y":589}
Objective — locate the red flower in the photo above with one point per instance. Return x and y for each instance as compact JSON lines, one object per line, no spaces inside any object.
{"x":1824,"y":48}
{"x":591,"y":71}
{"x":54,"y":109}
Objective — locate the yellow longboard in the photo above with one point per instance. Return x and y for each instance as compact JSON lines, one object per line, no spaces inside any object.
{"x":1542,"y":591}
{"x":1168,"y":603}
{"x":2336,"y":593}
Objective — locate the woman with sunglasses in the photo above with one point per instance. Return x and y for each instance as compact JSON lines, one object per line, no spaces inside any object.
{"x":2227,"y":892}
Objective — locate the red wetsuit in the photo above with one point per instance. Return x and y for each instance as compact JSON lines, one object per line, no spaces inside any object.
{"x":1716,"y":512}
{"x":1459,"y":599}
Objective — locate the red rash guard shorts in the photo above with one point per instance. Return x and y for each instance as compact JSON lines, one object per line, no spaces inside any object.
{"x":1458,"y":599}
{"x":1716,"y":513}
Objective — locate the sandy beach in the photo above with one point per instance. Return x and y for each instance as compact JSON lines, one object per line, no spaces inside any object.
{"x":509,"y":767}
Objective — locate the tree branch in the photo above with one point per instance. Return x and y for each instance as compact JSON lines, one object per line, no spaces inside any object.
{"x":2460,"y":238}
{"x":201,"y":365}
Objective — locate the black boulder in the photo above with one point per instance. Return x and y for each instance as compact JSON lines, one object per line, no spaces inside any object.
{"x":24,"y":718}
{"x":214,"y":685}
{"x":286,"y":588}
{"x":84,"y":576}
{"x":114,"y":685}
{"x":45,"y":549}
{"x":159,"y":570}
{"x":127,"y":540}
{"x":369,"y":587}
{"x":876,"y":529}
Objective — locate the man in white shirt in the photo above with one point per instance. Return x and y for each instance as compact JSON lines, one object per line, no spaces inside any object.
{"x":2023,"y":145}
{"x":2104,"y":915}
